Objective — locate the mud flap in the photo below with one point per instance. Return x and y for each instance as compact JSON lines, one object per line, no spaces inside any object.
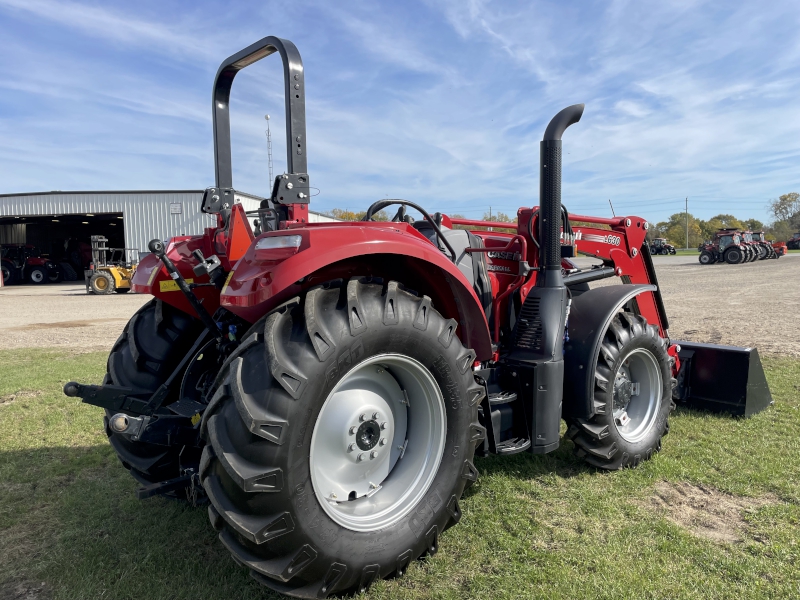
{"x":722,"y":379}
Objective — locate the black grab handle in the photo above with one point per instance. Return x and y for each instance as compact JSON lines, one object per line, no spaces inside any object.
{"x":295,"y":96}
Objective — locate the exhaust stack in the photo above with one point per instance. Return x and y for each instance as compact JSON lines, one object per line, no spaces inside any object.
{"x":550,"y":195}
{"x":537,"y":354}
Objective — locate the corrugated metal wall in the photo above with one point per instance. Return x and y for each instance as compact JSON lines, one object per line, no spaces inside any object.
{"x":12,"y":234}
{"x":147,"y":215}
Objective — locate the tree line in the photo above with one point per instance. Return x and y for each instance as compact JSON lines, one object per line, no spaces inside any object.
{"x":785,"y":210}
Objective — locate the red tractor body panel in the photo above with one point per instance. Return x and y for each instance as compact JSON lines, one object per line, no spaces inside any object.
{"x":263,"y":279}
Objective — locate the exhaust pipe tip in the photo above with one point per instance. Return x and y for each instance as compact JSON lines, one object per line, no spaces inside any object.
{"x":558,"y":124}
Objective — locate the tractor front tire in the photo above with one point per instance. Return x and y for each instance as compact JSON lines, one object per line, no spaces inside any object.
{"x":37,"y":275}
{"x":152,"y":344}
{"x":102,"y":283}
{"x":341,"y":438}
{"x":632,"y":397}
{"x":706,"y":258}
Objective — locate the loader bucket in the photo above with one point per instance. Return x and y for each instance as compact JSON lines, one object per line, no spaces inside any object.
{"x":722,"y":379}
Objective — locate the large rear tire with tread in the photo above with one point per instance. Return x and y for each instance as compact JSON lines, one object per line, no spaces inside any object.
{"x":284,"y":431}
{"x":152,"y":344}
{"x":69,"y":271}
{"x":733,"y":256}
{"x":632,"y":397}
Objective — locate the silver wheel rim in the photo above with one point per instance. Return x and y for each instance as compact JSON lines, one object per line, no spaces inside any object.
{"x":369,"y":471}
{"x":637,"y":394}
{"x":37,"y":276}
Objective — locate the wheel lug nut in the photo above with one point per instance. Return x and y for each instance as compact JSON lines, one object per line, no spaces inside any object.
{"x":382,"y":442}
{"x":383,"y":425}
{"x":376,"y":415}
{"x":373,"y":454}
{"x":362,"y":417}
{"x":361,"y":457}
{"x":353,"y":430}
{"x":351,"y":447}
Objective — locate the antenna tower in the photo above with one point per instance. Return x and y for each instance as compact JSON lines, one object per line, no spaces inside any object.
{"x":269,"y":151}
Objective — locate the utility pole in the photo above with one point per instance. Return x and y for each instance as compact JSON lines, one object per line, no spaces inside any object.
{"x":687,"y":222}
{"x":269,"y":153}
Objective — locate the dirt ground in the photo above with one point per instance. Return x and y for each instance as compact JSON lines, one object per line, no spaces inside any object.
{"x":755,"y":304}
{"x":63,"y":316}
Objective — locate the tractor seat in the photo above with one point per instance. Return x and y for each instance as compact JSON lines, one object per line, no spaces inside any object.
{"x":471,"y":264}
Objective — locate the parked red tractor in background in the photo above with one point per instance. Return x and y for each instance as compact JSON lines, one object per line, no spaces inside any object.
{"x":661,"y":246}
{"x":727,"y":246}
{"x":767,"y":249}
{"x":24,"y":262}
{"x":794,"y":242}
{"x":327,"y":385}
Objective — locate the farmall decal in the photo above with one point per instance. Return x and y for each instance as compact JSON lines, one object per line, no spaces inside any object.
{"x":613,"y":240}
{"x":499,"y":268}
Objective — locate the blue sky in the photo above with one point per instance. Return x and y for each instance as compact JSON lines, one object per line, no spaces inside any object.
{"x":440,"y":102}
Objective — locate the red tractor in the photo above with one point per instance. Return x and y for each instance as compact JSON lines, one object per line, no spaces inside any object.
{"x":794,"y":242}
{"x":767,"y":249}
{"x":727,"y":246}
{"x":24,"y":262}
{"x":662,"y":246}
{"x":326,"y":386}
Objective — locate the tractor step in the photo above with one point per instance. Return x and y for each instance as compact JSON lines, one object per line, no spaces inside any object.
{"x":513,"y":446}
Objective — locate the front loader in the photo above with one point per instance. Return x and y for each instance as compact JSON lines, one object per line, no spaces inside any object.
{"x":326,"y":386}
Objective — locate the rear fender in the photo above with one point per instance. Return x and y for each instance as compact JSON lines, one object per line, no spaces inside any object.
{"x":392,"y":252}
{"x":589,"y":318}
{"x":152,"y":278}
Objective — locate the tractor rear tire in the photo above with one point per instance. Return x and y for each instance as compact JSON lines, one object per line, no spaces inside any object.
{"x":37,"y":275}
{"x":763,"y":253}
{"x":706,"y":258}
{"x":10,"y":273}
{"x":285,"y":439}
{"x":733,"y":256}
{"x":632,"y":397}
{"x":102,"y":283}
{"x":152,"y":344}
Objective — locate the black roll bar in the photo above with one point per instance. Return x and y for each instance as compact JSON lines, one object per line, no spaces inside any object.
{"x":295,"y":96}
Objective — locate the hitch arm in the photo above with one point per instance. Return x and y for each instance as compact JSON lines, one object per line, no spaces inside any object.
{"x":112,"y":397}
{"x":157,"y":248}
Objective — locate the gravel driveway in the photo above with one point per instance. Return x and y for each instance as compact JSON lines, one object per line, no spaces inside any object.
{"x":754,"y":304}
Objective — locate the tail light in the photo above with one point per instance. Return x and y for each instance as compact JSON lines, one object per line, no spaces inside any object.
{"x":277,"y":247}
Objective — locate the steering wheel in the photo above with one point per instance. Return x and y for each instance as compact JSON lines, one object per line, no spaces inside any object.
{"x":381,"y":204}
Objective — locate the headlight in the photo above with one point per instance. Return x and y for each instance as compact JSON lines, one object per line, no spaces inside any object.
{"x":277,"y":247}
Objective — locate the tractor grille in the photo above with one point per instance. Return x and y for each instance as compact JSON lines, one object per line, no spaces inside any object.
{"x":529,"y":331}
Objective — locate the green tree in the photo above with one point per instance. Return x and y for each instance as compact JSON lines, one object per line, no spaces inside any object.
{"x":786,"y":206}
{"x":674,"y":229}
{"x":753,"y":224}
{"x":349,"y":215}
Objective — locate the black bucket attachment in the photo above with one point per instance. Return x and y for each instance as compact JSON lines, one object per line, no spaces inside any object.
{"x":724,"y":379}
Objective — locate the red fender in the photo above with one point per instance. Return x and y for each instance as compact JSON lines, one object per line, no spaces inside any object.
{"x":262,"y":279}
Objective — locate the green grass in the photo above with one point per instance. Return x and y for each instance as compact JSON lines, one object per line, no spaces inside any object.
{"x":532,"y":527}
